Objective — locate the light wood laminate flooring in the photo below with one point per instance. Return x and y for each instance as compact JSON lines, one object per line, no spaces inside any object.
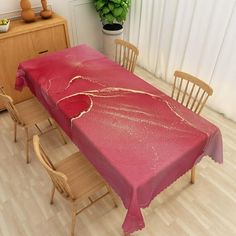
{"x":207,"y":208}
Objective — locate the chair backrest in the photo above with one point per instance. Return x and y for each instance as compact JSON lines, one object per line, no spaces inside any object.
{"x":190,"y":91}
{"x":126,"y":54}
{"x":59,"y":179}
{"x":8,"y":102}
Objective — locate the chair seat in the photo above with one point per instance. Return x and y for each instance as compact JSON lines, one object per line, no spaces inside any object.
{"x":32,"y":112}
{"x":82,"y":176}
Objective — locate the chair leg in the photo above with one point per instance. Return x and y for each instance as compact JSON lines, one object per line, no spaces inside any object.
{"x":52,"y":194}
{"x":74,"y":213}
{"x":62,"y":136}
{"x":193,"y":173}
{"x":15,"y":131}
{"x":60,"y":132}
{"x":50,"y":122}
{"x":112,"y":195}
{"x":38,"y":128}
{"x":27,"y":145}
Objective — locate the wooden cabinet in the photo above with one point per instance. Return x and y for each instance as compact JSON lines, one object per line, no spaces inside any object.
{"x":25,"y":41}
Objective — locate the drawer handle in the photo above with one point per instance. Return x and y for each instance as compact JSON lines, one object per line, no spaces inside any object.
{"x":42,"y":52}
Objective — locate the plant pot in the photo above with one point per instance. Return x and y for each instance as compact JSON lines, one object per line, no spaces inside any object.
{"x":110,"y":33}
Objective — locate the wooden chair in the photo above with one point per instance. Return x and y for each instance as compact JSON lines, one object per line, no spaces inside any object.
{"x":192,"y":93}
{"x":126,"y":54}
{"x":26,"y":114}
{"x":74,"y":178}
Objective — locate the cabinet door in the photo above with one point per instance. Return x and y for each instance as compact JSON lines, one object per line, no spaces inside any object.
{"x":59,"y":37}
{"x":49,"y":40}
{"x":24,"y":47}
{"x":13,"y":51}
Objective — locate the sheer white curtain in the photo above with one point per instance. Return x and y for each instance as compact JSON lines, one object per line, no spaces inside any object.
{"x":196,"y":36}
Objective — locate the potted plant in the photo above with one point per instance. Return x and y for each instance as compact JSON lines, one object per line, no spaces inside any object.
{"x":113,"y":15}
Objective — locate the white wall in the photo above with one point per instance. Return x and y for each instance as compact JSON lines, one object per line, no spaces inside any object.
{"x":13,"y":5}
{"x":83,"y":21}
{"x":11,"y":8}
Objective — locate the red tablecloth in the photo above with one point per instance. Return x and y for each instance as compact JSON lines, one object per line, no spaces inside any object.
{"x":138,"y":138}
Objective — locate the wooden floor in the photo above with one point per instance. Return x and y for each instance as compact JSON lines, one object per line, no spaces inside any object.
{"x":207,"y":208}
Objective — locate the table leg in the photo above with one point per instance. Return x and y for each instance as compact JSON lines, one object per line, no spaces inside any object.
{"x":193,"y":173}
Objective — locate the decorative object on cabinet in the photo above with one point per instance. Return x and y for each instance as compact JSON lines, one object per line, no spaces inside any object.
{"x":27,"y":13}
{"x":4,"y":25}
{"x":113,"y":14}
{"x":26,"y":41}
{"x":45,"y":13}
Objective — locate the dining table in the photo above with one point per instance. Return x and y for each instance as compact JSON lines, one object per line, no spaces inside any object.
{"x":138,"y":138}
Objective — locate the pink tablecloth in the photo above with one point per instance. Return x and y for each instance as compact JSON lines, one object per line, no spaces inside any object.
{"x":139,"y":139}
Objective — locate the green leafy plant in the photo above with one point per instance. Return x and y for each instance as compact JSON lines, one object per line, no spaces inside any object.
{"x":112,"y":11}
